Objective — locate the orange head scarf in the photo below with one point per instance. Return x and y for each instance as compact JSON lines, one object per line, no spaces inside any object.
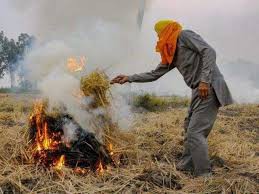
{"x":168,"y":32}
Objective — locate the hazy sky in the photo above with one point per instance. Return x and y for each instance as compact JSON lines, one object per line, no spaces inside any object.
{"x":230,"y":26}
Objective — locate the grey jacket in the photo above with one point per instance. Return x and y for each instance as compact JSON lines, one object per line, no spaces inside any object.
{"x":196,"y":61}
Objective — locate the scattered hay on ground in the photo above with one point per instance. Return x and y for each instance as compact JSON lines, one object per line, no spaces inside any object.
{"x":158,"y":145}
{"x":6,"y":106}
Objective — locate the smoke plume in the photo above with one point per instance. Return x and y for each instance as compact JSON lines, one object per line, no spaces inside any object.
{"x":107,"y":34}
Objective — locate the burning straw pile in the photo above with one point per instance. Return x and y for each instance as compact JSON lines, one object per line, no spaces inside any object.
{"x":52,"y":150}
{"x":85,"y":152}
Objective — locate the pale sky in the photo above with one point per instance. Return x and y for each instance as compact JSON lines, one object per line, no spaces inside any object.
{"x":230,"y":26}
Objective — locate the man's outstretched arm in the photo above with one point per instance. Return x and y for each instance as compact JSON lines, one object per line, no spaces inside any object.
{"x":143,"y":77}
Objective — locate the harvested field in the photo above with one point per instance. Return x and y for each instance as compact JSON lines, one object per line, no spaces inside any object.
{"x":233,"y":149}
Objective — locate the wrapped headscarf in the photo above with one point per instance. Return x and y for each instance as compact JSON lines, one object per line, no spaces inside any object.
{"x":168,"y":32}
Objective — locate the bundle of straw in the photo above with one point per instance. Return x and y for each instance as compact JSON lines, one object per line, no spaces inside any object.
{"x":96,"y":85}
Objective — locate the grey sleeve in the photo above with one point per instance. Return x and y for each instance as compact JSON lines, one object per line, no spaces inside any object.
{"x":150,"y":76}
{"x":207,"y":53}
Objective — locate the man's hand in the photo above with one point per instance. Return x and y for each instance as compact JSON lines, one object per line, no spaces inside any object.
{"x":120,"y":79}
{"x":203,"y":90}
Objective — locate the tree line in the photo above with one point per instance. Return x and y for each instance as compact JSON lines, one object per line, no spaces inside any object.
{"x":11,"y":53}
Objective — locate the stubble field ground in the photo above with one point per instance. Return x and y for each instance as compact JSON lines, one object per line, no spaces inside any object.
{"x":233,"y":146}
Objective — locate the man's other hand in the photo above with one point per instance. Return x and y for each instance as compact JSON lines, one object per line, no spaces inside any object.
{"x":203,"y":90}
{"x":120,"y":79}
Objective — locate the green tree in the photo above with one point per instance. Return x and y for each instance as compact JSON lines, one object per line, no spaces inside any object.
{"x":3,"y":45}
{"x":24,"y":45}
{"x":12,"y":58}
{"x":11,"y":52}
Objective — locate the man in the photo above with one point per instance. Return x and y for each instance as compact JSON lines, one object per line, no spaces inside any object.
{"x":196,"y":61}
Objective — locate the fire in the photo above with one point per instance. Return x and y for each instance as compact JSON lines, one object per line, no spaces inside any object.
{"x":100,"y":168}
{"x":60,"y":163}
{"x":110,"y":149}
{"x":81,"y":171}
{"x":46,"y":140}
{"x":43,"y":139}
{"x":74,"y":65}
{"x":52,"y":150}
{"x":38,"y":147}
{"x":49,"y":131}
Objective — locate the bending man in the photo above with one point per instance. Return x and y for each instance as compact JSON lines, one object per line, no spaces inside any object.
{"x":196,"y":61}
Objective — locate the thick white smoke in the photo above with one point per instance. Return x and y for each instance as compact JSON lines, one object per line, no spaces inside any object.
{"x":106,"y":33}
{"x":242,"y":77}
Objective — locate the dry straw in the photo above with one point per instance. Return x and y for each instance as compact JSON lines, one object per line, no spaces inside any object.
{"x":96,"y":85}
{"x":234,"y":139}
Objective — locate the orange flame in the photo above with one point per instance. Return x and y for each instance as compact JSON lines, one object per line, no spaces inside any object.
{"x":110,"y":149}
{"x":82,"y":171}
{"x":60,"y":163}
{"x":38,"y":147}
{"x":74,"y":65}
{"x":46,"y":140}
{"x":100,"y":168}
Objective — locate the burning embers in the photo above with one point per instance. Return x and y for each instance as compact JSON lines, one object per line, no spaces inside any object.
{"x":52,"y":149}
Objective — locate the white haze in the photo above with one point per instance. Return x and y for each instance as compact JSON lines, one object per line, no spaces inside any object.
{"x":80,"y":31}
{"x":106,"y":33}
